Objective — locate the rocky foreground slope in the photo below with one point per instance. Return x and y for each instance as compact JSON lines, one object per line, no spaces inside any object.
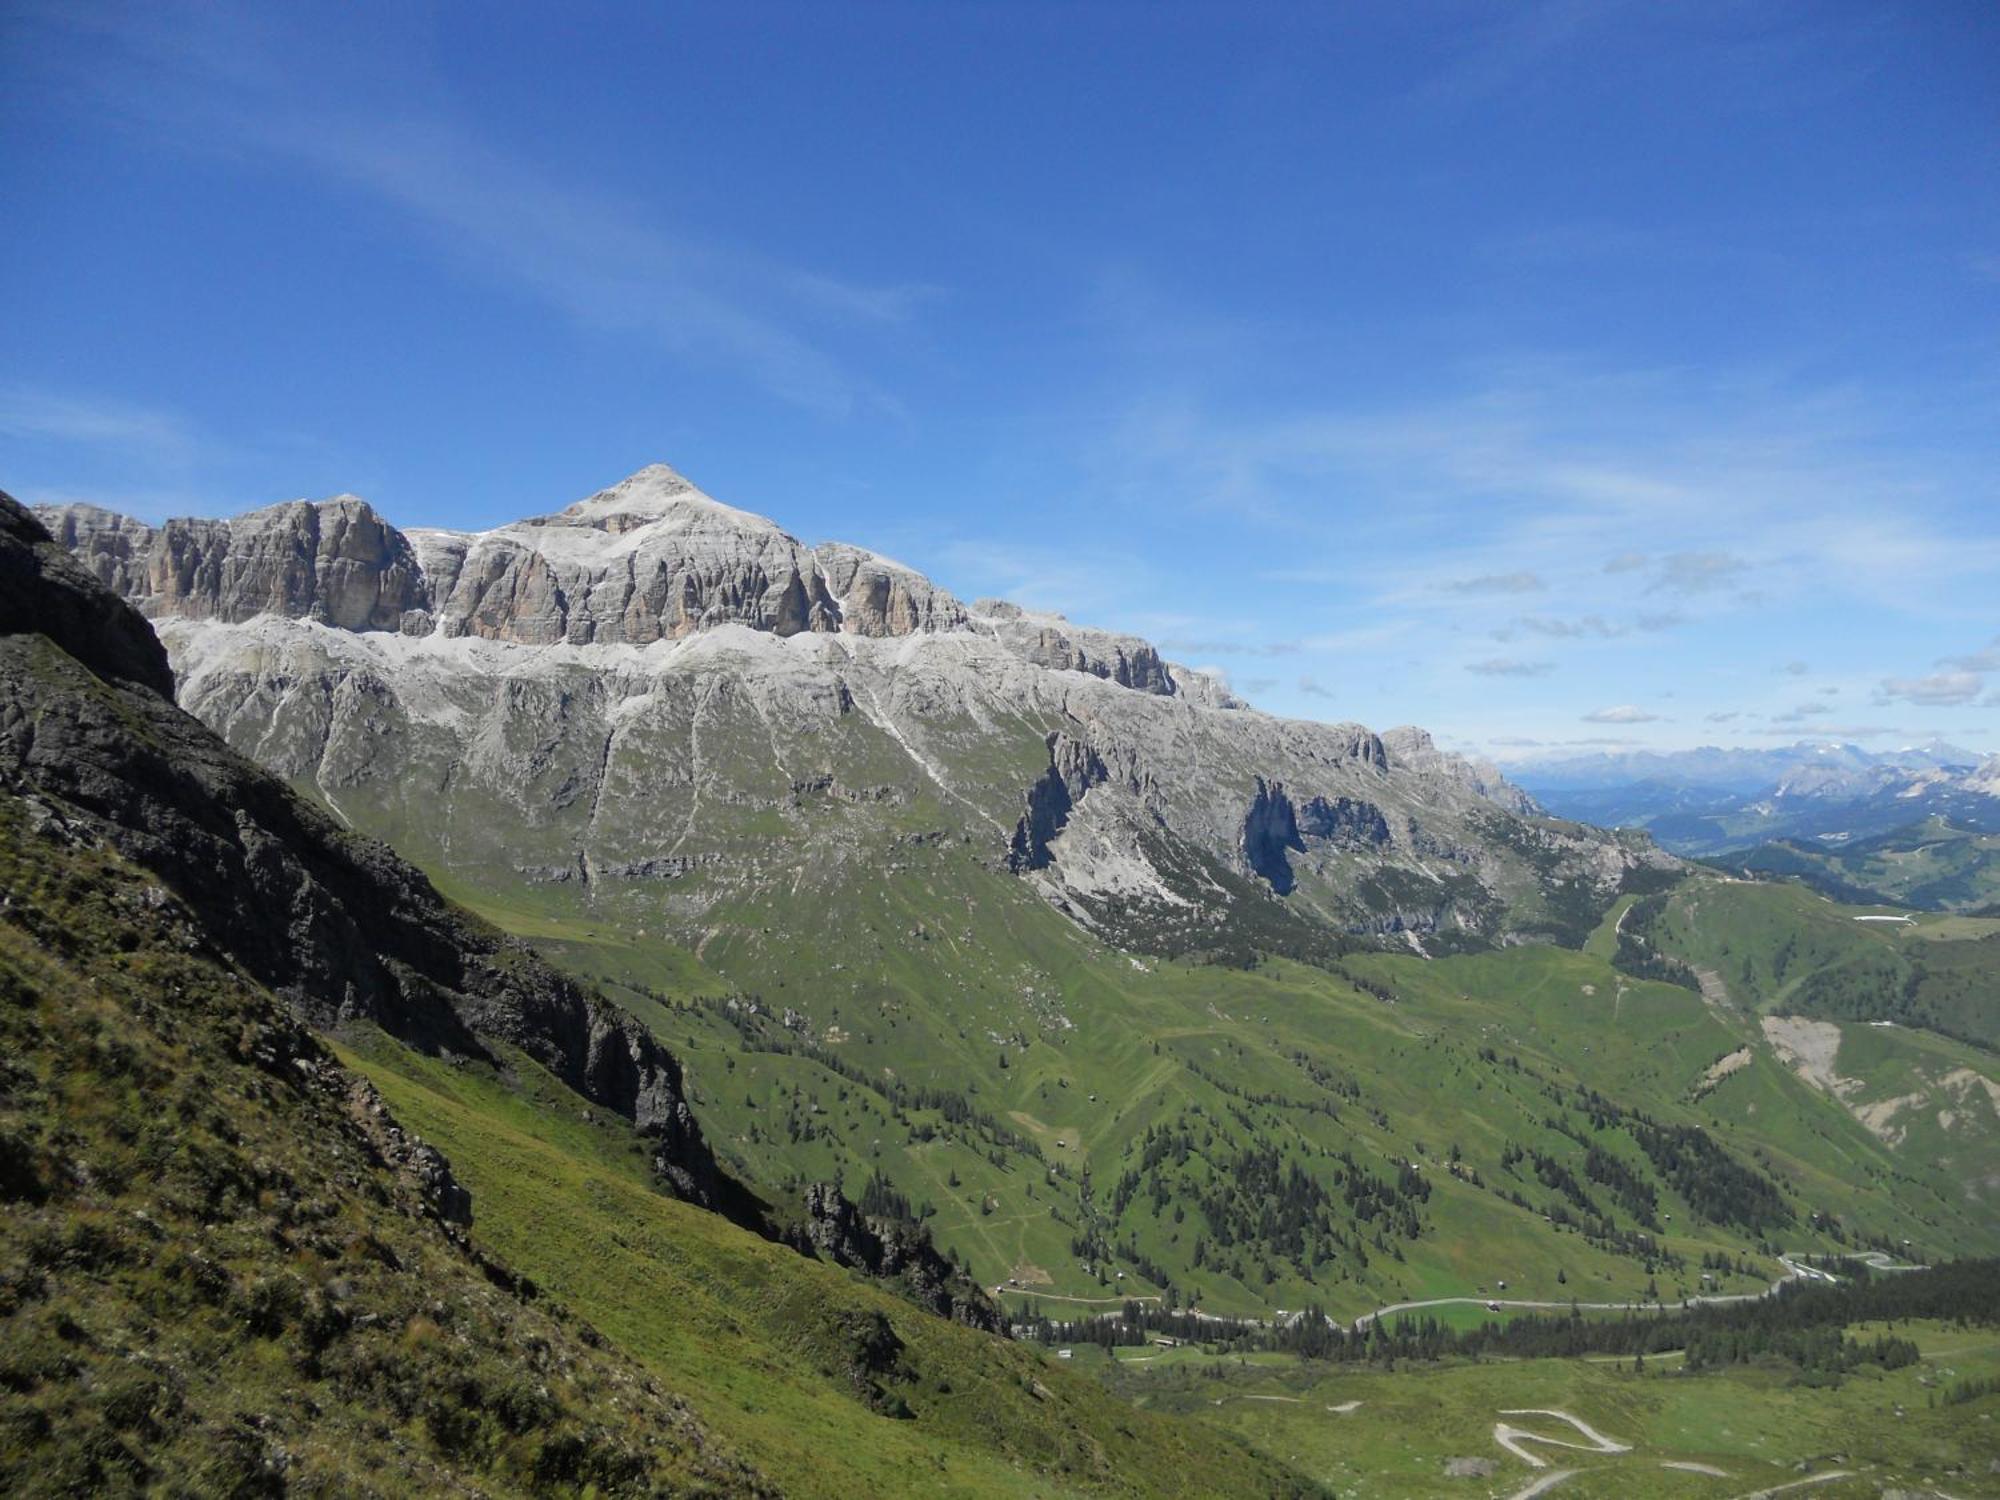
{"x":652,"y":693}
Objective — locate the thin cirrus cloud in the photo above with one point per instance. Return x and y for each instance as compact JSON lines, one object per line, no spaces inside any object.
{"x":1650,"y":502}
{"x":1521,"y":581}
{"x":1230,"y":648}
{"x":229,"y":82}
{"x":143,"y":431}
{"x":1623,"y":713}
{"x":76,"y":447}
{"x":1839,"y":731}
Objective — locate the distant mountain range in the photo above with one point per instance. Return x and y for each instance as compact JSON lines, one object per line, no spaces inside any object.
{"x":1711,"y":801}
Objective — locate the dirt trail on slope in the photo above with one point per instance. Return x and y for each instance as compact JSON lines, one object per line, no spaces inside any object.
{"x":1511,"y":1438}
{"x":1798,"y":1484}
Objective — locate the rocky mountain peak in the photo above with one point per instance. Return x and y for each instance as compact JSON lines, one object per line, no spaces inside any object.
{"x":658,"y":494}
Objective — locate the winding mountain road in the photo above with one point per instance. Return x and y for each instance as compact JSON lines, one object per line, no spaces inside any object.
{"x":1795,"y":1270}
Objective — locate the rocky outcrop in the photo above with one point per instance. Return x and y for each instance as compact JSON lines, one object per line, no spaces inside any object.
{"x":1074,"y":768}
{"x":1205,"y":688}
{"x":650,"y":559}
{"x":45,"y":591}
{"x":1050,"y":641}
{"x":1271,"y":836}
{"x":1346,"y":822}
{"x":422,"y":1167}
{"x":1414,"y":749}
{"x":333,"y":922}
{"x":834,"y":1229}
{"x":334,"y":561}
{"x":876,"y":597}
{"x":112,"y":547}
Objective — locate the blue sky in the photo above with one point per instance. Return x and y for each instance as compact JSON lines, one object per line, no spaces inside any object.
{"x":1546,"y":374}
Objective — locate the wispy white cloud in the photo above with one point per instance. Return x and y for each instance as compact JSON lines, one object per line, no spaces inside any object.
{"x":145,"y":432}
{"x":1520,"y":581}
{"x":1624,"y":713}
{"x":1939,"y":690}
{"x":1089,"y":586}
{"x":1986,"y":659}
{"x":1589,"y":627}
{"x":1507,"y":666}
{"x":1839,"y":731}
{"x":1697,"y":572}
{"x":1542,"y":463}
{"x":1228,"y":648}
{"x":237,"y":81}
{"x":87,"y":448}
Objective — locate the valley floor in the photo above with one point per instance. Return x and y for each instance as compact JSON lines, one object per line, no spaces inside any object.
{"x":1717,"y":1435}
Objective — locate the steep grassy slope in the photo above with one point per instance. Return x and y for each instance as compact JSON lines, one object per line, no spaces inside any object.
{"x":213,"y":1275}
{"x":828,"y":1385}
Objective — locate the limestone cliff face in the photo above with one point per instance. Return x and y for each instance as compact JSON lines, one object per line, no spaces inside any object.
{"x":1271,"y":835}
{"x":1074,"y":768}
{"x":649,"y":559}
{"x":1051,"y":641}
{"x":334,"y":561}
{"x":1413,"y":748}
{"x":654,"y":697}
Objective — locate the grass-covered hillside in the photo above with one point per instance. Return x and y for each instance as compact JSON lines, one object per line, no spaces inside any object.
{"x":1932,"y":866}
{"x":1082,"y":1123}
{"x":220,"y":1269}
{"x":213,"y":1275}
{"x":1777,"y":947}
